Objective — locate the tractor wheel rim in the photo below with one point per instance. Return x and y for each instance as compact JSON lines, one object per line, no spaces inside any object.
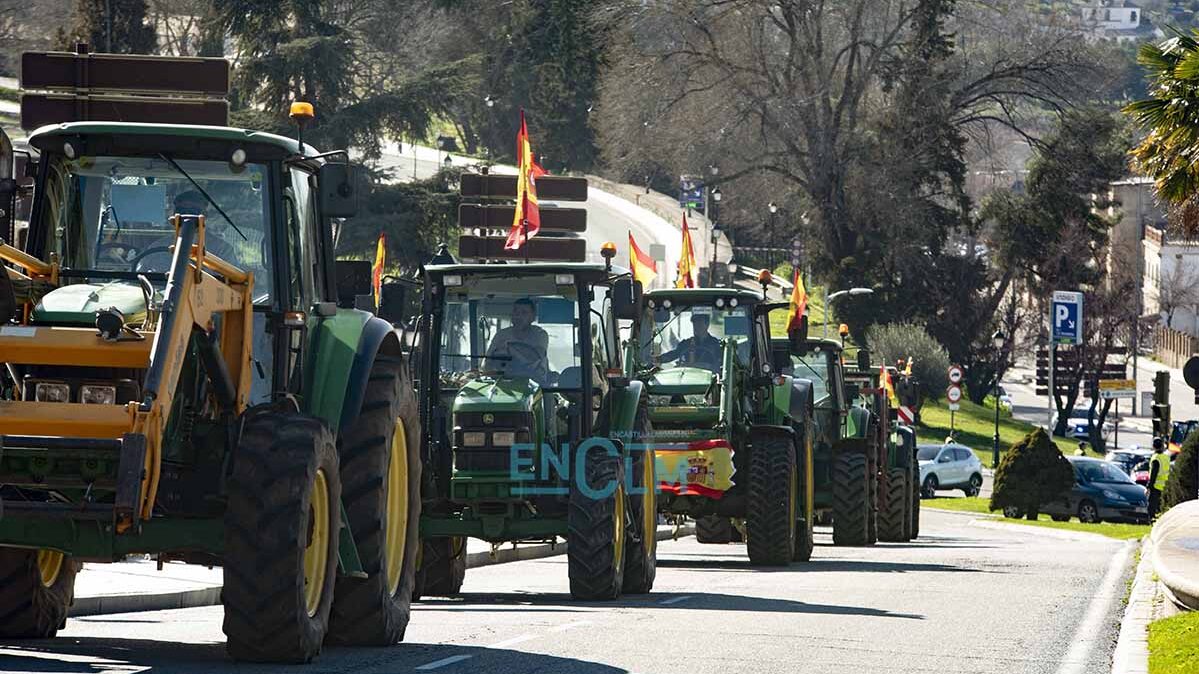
{"x":793,"y":489}
{"x":49,"y":565}
{"x":619,"y":530}
{"x":396,"y":531}
{"x":316,"y":555}
{"x":649,"y":507}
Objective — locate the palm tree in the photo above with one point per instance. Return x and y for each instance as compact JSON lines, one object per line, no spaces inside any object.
{"x":1170,"y":152}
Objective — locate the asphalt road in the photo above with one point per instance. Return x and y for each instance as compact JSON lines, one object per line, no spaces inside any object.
{"x":964,"y":598}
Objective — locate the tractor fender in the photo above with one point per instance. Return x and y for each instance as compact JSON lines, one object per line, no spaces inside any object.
{"x":378,"y":336}
{"x":801,"y":404}
{"x":771,"y":428}
{"x":625,"y":401}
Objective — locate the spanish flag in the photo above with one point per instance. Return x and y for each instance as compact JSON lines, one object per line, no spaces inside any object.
{"x":686,"y":259}
{"x":526,"y":222}
{"x":377,"y":270}
{"x":799,"y":302}
{"x":644,"y":268}
{"x":888,"y":386}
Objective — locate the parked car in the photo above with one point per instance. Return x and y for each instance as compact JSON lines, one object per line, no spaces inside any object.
{"x":1179,"y":430}
{"x":1102,"y":492}
{"x":1078,"y":424}
{"x":1135,"y":462}
{"x":948,"y":466}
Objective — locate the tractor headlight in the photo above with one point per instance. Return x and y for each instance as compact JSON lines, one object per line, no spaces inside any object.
{"x":474,"y":439}
{"x":52,"y":392}
{"x":98,"y":394}
{"x":503,"y":438}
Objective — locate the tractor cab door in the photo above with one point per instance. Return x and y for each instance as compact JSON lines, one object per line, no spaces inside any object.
{"x":8,"y":188}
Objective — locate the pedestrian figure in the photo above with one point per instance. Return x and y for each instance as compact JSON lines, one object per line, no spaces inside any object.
{"x":1082,"y":449}
{"x":1159,"y":471}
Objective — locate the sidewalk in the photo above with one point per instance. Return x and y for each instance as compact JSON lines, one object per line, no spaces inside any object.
{"x":138,"y":585}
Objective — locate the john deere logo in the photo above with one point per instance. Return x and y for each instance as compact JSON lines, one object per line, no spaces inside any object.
{"x":489,"y":419}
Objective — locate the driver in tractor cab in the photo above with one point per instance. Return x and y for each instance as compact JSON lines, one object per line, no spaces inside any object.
{"x":190,"y":202}
{"x":701,"y":349}
{"x":520,"y":350}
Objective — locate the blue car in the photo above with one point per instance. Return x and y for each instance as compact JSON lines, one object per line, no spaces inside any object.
{"x":1102,"y":492}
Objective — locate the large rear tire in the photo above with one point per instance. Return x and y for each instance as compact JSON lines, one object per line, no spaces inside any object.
{"x":851,"y":500}
{"x":380,"y":474}
{"x":772,"y":504}
{"x":442,"y":567}
{"x":641,"y":567}
{"x":596,"y":526}
{"x":36,"y":590}
{"x":914,"y":495}
{"x":711,"y":529}
{"x":892,"y":516}
{"x":872,"y":483}
{"x":281,"y":536}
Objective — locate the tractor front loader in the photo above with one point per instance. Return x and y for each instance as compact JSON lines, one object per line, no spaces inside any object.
{"x":184,"y":383}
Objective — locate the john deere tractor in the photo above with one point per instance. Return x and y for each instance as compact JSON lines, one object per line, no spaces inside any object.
{"x":897,"y":477}
{"x":187,"y":385}
{"x":733,"y":437}
{"x":531,"y":433}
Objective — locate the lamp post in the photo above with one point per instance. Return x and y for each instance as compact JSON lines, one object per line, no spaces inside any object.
{"x":489,"y":101}
{"x":997,"y":339}
{"x":712,"y":269}
{"x":732,"y":267}
{"x":774,"y":209}
{"x":829,"y":297}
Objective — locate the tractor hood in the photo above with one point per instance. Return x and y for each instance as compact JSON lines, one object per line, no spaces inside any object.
{"x":78,"y":303}
{"x":487,"y":394}
{"x":681,"y":381}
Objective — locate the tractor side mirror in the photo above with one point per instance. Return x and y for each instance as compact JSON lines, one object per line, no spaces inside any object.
{"x":399,"y":301}
{"x":338,"y":191}
{"x":626,"y":299}
{"x":353,"y":281}
{"x":863,"y":359}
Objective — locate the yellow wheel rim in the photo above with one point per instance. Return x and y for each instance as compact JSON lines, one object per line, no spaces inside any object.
{"x":316,"y":555}
{"x":650,"y":508}
{"x":794,"y":488}
{"x":618,"y":533}
{"x":49,"y":564}
{"x":396,"y":530}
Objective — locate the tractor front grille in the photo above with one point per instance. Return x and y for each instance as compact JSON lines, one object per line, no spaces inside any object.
{"x":485,"y":441}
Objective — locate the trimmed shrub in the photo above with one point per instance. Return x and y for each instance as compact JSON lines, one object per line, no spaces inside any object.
{"x":889,"y":343}
{"x":1032,"y":473}
{"x":1180,"y":486}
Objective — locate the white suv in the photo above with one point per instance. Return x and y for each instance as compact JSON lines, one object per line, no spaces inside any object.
{"x":949,"y":466}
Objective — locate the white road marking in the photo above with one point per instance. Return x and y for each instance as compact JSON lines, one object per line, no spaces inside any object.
{"x":674,"y":600}
{"x":444,"y":661}
{"x":1090,"y":631}
{"x":570,"y":626}
{"x":513,"y":641}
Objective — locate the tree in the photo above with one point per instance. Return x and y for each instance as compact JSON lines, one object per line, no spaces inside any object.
{"x":930,"y":362}
{"x":1168,"y":149}
{"x":113,"y":26}
{"x":1033,"y":472}
{"x":416,"y":217}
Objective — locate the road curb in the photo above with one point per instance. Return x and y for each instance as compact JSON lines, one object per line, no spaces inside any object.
{"x":1000,"y":525}
{"x":211,"y":596}
{"x":1132,"y":646}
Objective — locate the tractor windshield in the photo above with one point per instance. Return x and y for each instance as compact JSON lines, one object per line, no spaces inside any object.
{"x":511,"y":326}
{"x":815,"y":366}
{"x":693,"y":334}
{"x":112,"y":214}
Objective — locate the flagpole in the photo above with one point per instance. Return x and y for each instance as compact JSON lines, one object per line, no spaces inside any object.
{"x":524,"y":232}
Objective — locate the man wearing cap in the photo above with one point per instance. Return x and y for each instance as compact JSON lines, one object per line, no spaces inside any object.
{"x":1159,"y":472}
{"x":521,"y":348}
{"x":701,"y":349}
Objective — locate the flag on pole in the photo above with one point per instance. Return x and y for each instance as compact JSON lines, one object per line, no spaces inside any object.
{"x":644,"y":268}
{"x":377,"y":270}
{"x":888,"y":386}
{"x":526,"y":222}
{"x":799,"y":302}
{"x":686,"y":259}
{"x":907,"y":370}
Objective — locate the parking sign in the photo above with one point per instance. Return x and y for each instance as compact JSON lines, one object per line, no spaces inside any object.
{"x":1066,"y":317}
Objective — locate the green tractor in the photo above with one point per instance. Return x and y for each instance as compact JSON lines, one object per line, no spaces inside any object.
{"x":733,"y":437}
{"x":531,"y":433}
{"x":188,"y":386}
{"x":864,"y":464}
{"x":898,"y":474}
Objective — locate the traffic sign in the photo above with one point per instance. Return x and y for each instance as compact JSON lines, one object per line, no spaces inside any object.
{"x":1066,"y":317}
{"x":953,"y":407}
{"x":954,"y":394}
{"x":905,"y":414}
{"x":955,"y":374}
{"x":796,"y":250}
{"x":1112,"y":389}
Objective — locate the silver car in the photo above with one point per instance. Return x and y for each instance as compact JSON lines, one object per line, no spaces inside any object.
{"x":948,"y":466}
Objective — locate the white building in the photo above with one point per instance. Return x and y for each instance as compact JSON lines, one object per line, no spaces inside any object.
{"x":1172,"y":280}
{"x":1119,"y":20}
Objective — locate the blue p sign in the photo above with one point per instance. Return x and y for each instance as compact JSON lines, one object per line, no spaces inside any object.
{"x":1066,"y":317}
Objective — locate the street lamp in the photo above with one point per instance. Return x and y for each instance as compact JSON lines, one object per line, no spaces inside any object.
{"x":712,"y":269}
{"x":997,"y":339}
{"x":774,"y":209}
{"x":840,"y":293}
{"x":732,"y":267}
